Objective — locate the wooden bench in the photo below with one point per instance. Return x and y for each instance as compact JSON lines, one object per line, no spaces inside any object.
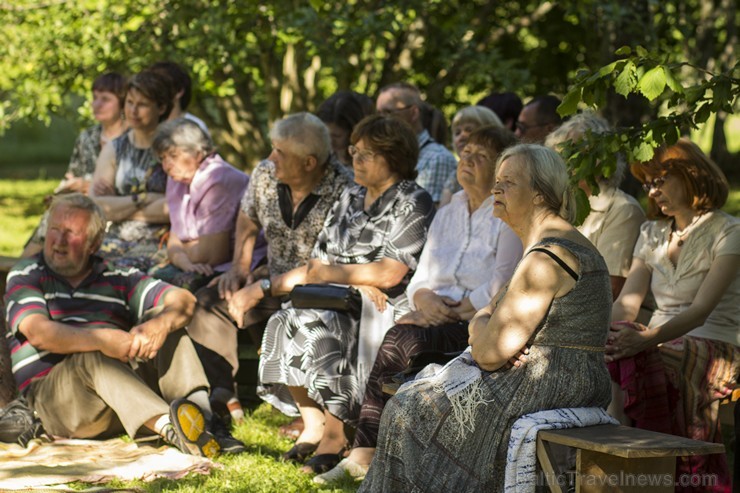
{"x":613,"y":458}
{"x":618,"y":458}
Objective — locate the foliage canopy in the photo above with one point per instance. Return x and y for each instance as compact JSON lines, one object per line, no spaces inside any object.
{"x":254,"y":61}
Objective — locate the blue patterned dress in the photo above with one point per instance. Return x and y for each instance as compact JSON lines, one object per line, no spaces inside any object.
{"x":134,"y":243}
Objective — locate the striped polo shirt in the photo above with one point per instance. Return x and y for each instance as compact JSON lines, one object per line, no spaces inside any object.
{"x":106,"y":298}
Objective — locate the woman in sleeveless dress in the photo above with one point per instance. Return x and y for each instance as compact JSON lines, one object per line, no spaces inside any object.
{"x":129,"y":183}
{"x":450,"y":431}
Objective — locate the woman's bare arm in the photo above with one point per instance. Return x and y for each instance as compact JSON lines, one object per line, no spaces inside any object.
{"x":536,"y":282}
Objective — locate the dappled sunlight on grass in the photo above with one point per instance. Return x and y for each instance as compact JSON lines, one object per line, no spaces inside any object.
{"x":258,"y":470}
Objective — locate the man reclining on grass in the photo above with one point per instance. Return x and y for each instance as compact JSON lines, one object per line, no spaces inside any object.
{"x":83,"y":357}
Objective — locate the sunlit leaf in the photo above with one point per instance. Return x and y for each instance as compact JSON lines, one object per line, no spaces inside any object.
{"x":653,"y":83}
{"x":624,"y":51}
{"x":570,"y":102}
{"x":627,"y":79}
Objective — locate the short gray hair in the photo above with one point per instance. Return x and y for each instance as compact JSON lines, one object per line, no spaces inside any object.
{"x":306,"y":133}
{"x":183,"y":134}
{"x":575,"y":128}
{"x":549,"y":176}
{"x":96,"y":226}
{"x":478,"y":115}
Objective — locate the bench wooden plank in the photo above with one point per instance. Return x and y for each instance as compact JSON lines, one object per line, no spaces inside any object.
{"x":623,"y":441}
{"x":599,"y":472}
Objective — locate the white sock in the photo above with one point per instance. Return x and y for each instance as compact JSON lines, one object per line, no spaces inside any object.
{"x":163,"y":421}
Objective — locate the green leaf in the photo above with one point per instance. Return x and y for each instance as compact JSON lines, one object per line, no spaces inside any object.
{"x":672,"y":82}
{"x":721,"y":93}
{"x":570,"y":102}
{"x":583,"y":207}
{"x":702,"y":114}
{"x":626,"y":80}
{"x":641,"y":52}
{"x":624,"y":51}
{"x":643,"y":152}
{"x":607,"y":69}
{"x":653,"y":83}
{"x":695,"y":93}
{"x":672,"y":135}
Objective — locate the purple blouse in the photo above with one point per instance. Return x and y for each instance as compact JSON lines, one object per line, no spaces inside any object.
{"x":210,"y":203}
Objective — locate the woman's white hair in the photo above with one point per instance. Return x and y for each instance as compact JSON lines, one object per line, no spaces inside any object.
{"x":478,"y":115}
{"x":549,"y":176}
{"x":182,"y":134}
{"x":575,"y":128}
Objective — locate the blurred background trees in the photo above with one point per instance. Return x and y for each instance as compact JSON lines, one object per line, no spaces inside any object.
{"x":254,"y":61}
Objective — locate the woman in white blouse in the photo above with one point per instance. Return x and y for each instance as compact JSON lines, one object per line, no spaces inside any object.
{"x":468,"y":257}
{"x":673,"y":372}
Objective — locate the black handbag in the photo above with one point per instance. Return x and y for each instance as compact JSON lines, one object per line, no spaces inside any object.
{"x":326,"y":297}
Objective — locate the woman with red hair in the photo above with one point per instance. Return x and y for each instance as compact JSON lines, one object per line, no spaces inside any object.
{"x":688,"y":354}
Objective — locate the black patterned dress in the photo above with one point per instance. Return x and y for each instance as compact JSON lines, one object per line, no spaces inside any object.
{"x":317,"y":349}
{"x":423,"y":447}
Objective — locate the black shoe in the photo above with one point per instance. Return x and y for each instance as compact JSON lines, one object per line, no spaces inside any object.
{"x":187,"y":430}
{"x":19,"y":424}
{"x":220,"y":430}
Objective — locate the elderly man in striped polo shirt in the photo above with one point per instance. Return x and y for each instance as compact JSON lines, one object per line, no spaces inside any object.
{"x":93,"y":349}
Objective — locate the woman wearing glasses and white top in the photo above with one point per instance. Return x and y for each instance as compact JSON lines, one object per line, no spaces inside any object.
{"x":688,"y":257}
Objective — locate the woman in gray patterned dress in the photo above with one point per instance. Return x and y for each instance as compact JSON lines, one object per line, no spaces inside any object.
{"x":450,"y":431}
{"x":109,"y":93}
{"x":129,"y":183}
{"x":372,"y":239}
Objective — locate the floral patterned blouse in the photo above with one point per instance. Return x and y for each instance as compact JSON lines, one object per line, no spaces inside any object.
{"x":290,"y":237}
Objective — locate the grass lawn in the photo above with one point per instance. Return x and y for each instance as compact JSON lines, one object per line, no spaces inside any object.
{"x":259,"y":470}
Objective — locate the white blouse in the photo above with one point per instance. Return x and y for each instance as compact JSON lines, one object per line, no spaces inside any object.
{"x":466,"y":255}
{"x":675,"y":287}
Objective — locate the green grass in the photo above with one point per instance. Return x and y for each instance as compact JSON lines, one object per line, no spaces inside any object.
{"x":21,"y":207}
{"x":258,"y":470}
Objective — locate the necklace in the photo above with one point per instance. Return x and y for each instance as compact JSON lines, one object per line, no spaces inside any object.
{"x":684,"y":231}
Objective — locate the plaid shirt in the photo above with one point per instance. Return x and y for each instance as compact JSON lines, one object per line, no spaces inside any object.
{"x":435,"y":165}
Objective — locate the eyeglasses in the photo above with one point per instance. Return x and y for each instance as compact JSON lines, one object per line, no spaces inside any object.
{"x":393,"y":111}
{"x":524,"y":128}
{"x":654,"y":183}
{"x":360,"y":156}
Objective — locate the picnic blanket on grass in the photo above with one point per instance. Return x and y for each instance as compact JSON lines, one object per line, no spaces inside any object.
{"x":43,"y":464}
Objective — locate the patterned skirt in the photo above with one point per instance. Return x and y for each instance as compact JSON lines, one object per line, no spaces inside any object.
{"x":695,"y":374}
{"x":134,"y":244}
{"x":314,"y":349}
{"x":192,"y":281}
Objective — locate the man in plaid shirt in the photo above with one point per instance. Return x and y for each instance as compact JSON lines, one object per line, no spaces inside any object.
{"x":436,"y":163}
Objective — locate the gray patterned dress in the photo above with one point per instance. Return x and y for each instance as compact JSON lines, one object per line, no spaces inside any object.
{"x":420,"y":447}
{"x":317,"y":349}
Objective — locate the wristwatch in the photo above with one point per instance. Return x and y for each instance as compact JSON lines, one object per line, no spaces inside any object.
{"x":266,"y":285}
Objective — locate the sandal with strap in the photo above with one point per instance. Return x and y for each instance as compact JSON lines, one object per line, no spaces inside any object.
{"x":319,"y":464}
{"x":300,"y":452}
